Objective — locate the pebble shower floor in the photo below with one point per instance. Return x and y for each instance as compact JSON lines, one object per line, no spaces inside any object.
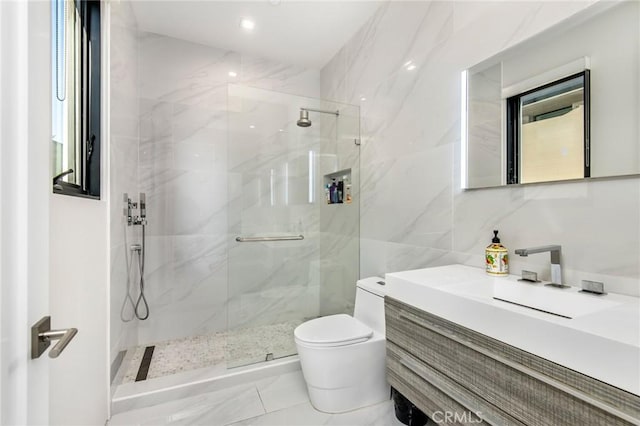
{"x":233,"y":347}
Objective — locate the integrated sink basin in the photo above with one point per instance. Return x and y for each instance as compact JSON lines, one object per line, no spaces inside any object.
{"x":565,"y":303}
{"x":598,"y":336}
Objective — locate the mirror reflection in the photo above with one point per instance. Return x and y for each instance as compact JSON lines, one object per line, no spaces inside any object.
{"x":562,"y":105}
{"x":550,"y":137}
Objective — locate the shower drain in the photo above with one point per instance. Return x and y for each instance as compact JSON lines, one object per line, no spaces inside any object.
{"x":145,"y":364}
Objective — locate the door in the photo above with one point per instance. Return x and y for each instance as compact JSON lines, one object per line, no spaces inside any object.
{"x":39,"y":236}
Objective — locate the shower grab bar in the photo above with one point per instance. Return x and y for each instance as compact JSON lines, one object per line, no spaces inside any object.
{"x":263,"y":239}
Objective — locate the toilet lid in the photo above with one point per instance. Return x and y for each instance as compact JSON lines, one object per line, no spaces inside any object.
{"x":333,"y":330}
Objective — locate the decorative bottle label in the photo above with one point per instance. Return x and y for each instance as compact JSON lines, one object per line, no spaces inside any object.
{"x":497,"y":260}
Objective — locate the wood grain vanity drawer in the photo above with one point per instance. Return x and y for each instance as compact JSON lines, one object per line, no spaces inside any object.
{"x":527,"y":388}
{"x":439,"y":393}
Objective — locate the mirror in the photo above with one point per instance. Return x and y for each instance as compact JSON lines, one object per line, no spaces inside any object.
{"x":562,"y":105}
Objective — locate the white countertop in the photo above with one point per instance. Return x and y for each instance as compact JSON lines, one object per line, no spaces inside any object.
{"x":600,"y":340}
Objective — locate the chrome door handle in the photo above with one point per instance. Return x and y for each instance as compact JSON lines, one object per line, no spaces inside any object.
{"x":42,"y":335}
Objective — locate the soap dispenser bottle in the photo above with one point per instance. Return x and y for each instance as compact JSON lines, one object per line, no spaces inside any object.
{"x":497,"y":257}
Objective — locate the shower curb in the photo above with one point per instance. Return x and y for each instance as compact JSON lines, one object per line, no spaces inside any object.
{"x":151,"y":392}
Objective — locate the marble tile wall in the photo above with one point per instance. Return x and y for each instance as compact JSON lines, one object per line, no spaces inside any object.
{"x":191,"y":167}
{"x":339,"y":223}
{"x":123,"y":161}
{"x":413,"y":213}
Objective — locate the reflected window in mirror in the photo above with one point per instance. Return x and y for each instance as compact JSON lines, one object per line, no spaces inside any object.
{"x":611,"y":126}
{"x":547,"y":132}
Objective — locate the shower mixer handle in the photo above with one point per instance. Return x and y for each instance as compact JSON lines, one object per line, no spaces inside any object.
{"x":141,"y":205}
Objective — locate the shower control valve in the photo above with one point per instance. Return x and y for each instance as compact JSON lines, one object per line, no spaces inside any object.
{"x":138,"y":221}
{"x":141,"y":206}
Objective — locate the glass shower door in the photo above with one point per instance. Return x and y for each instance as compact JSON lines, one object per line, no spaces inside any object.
{"x":274,"y":222}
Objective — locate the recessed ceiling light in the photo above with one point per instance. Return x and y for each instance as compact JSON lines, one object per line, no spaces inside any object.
{"x":411,"y":67}
{"x":406,"y":64}
{"x":281,"y":130}
{"x":247,"y":24}
{"x":252,"y":126}
{"x":233,"y":74}
{"x":363,"y":99}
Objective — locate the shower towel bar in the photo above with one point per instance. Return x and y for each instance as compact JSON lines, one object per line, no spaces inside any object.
{"x":263,"y":239}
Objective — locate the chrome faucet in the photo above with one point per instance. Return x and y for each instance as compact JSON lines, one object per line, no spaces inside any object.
{"x":556,"y":270}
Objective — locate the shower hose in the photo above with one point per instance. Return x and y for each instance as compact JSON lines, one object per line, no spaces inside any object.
{"x":141,"y":297}
{"x":140,"y":305}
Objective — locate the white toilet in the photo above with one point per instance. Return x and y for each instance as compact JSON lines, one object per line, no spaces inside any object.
{"x":343,"y":357}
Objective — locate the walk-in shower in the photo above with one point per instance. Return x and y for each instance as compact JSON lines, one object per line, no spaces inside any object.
{"x":281,"y":253}
{"x":241,"y":244}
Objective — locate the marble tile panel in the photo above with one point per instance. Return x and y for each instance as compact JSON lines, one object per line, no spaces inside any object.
{"x":123,"y":163}
{"x":380,"y":257}
{"x":123,"y":331}
{"x":304,"y":414}
{"x":185,"y":202}
{"x":254,"y":267}
{"x":220,"y":407}
{"x":197,"y":117}
{"x":570,"y":214}
{"x":299,"y":415}
{"x":198,"y":201}
{"x":408,"y":214}
{"x":291,"y":79}
{"x":196,"y":156}
{"x":382,"y":414}
{"x":274,"y":306}
{"x":202,"y":260}
{"x":194,"y":79}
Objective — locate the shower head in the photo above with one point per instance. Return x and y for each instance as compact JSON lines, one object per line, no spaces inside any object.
{"x":304,"y":118}
{"x":304,"y":115}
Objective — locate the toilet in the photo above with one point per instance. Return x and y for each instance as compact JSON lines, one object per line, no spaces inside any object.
{"x":343,"y":357}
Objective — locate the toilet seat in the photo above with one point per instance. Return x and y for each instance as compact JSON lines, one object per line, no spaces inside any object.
{"x":333,"y":330}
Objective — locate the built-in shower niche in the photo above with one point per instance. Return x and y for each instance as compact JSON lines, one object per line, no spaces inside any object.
{"x":338,"y":187}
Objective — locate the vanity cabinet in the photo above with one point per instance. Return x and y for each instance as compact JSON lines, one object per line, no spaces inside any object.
{"x":457,"y":375}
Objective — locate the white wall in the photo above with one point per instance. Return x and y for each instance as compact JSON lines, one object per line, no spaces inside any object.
{"x":413,"y":213}
{"x":79,"y":288}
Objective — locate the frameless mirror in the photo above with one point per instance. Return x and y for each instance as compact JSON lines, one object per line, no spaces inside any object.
{"x":562,"y":105}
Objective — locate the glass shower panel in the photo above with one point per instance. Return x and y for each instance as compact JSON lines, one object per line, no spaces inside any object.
{"x":276,"y":195}
{"x":340,"y":223}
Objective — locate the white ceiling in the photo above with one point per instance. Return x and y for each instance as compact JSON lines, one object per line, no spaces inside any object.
{"x":307,"y":33}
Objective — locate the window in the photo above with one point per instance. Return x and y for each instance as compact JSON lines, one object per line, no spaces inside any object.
{"x":75,"y":142}
{"x":548,"y":132}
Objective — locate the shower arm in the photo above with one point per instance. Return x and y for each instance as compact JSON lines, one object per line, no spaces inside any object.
{"x":324,"y":111}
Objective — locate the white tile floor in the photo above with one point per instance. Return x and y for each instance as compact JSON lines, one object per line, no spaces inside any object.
{"x":279,"y":400}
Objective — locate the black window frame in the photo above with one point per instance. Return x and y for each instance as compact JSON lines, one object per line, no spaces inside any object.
{"x":513,"y":112}
{"x":90,"y":88}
